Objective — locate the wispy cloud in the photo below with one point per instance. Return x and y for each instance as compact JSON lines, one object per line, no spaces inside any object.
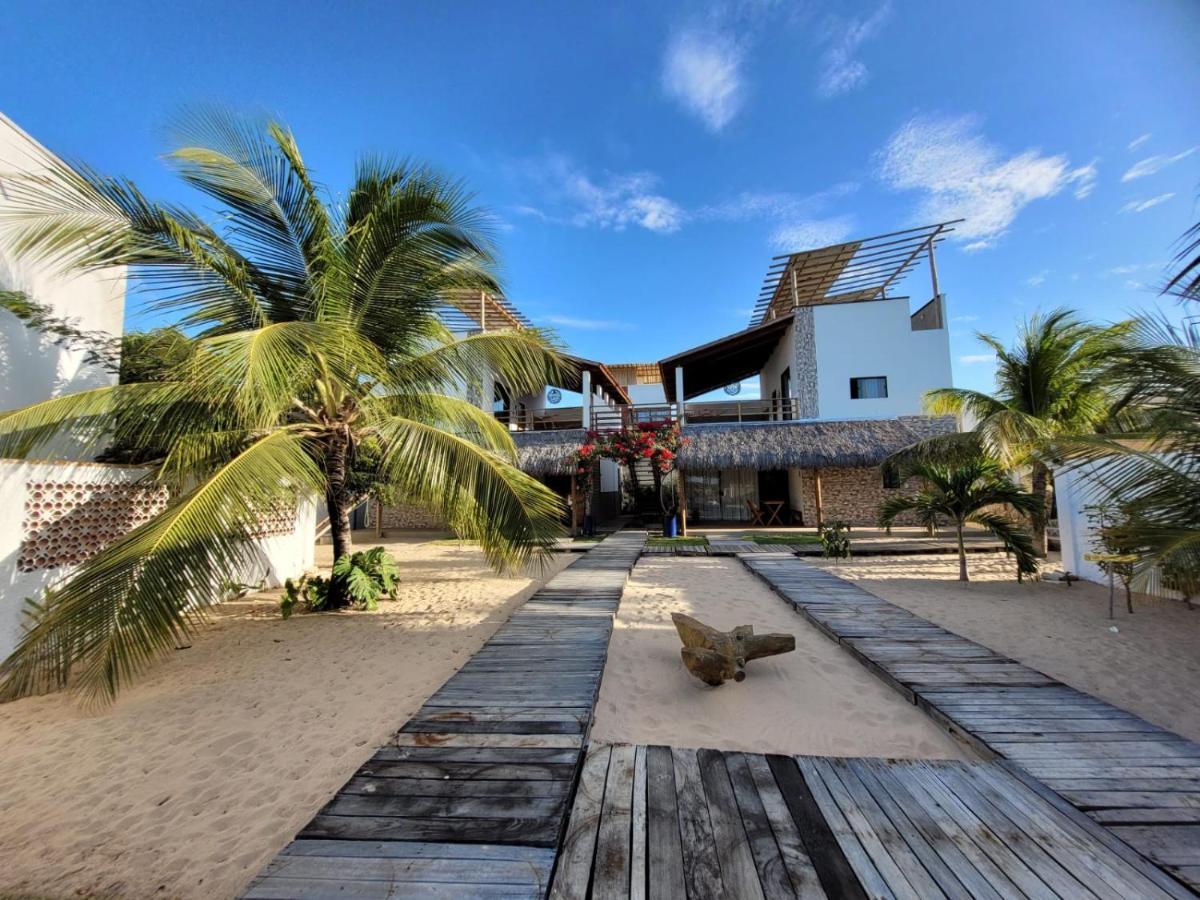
{"x":702,"y":70}
{"x":964,"y":318}
{"x":973,"y":359}
{"x":587,"y":324}
{"x":1138,"y":141}
{"x":1084,"y":179}
{"x":1038,"y":279}
{"x":841,"y":69}
{"x":1151,"y":165}
{"x":1140,"y":206}
{"x":750,"y":205}
{"x":615,"y":200}
{"x":963,"y":175}
{"x":811,"y":233}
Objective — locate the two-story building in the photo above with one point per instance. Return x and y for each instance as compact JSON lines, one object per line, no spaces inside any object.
{"x":842,"y":359}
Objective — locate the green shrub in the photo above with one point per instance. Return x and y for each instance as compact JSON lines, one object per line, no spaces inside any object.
{"x":835,"y":543}
{"x":367,"y":574}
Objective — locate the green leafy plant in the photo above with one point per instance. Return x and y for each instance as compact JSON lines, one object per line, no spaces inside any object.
{"x":364,"y":577}
{"x":835,"y":542}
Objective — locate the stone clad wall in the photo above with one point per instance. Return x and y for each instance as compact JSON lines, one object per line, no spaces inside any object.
{"x":409,"y":516}
{"x":852,"y":495}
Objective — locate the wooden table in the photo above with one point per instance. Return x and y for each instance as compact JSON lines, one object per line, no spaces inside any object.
{"x":774,"y":508}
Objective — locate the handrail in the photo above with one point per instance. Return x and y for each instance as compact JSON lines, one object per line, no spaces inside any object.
{"x":777,"y":409}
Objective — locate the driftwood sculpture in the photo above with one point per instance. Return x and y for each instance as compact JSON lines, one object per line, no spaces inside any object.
{"x":717,"y":656}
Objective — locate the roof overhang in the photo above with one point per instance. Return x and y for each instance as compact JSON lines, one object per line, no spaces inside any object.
{"x":852,"y":272}
{"x":601,"y":377}
{"x":724,"y":361}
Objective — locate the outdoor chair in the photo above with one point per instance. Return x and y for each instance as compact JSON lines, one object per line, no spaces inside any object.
{"x":756,"y":516}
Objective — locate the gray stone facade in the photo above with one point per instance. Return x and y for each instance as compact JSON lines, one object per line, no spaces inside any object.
{"x":804,"y":362}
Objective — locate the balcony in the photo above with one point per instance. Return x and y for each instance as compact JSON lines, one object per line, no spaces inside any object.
{"x":559,"y":419}
{"x":721,"y":411}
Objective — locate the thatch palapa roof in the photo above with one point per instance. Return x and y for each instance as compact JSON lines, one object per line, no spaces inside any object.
{"x":542,"y":453}
{"x":803,"y":445}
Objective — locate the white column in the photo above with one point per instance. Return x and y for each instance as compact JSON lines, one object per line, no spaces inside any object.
{"x":585,"y":391}
{"x":679,"y":393}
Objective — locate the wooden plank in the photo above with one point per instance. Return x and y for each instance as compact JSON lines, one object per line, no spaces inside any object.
{"x":850,"y":822}
{"x":773,"y":877}
{"x":573,"y":872}
{"x":637,"y":851}
{"x":800,"y":870}
{"x":664,"y":875}
{"x":838,"y":876}
{"x":895,"y":827}
{"x":731,"y":842}
{"x":702,"y":873}
{"x":1168,"y":845}
{"x":611,"y":869}
{"x":532,"y":832}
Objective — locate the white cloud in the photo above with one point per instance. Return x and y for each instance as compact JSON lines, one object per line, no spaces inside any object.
{"x":962,"y":175}
{"x":964,"y":318}
{"x":587,"y":324}
{"x":972,"y":359}
{"x":614,"y":201}
{"x":1138,"y":141}
{"x":812,"y":233}
{"x":1154,"y":164}
{"x":841,"y":70}
{"x":1084,"y":179}
{"x":750,"y":205}
{"x":1122,"y":270}
{"x":1140,"y":206}
{"x":702,"y":70}
{"x":1038,"y":279}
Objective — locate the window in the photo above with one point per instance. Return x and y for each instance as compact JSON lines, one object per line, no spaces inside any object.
{"x":872,"y":388}
{"x":891,"y":477}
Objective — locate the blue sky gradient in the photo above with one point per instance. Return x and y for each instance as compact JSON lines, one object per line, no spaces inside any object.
{"x":643,"y":165}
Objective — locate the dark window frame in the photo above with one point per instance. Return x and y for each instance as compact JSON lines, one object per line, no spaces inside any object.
{"x":854,"y":386}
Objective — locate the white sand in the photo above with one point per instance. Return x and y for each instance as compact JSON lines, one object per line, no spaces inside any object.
{"x":1150,"y":666}
{"x":816,"y":700}
{"x":211,"y":763}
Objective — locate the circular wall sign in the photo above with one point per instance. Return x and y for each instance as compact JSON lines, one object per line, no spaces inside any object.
{"x":554,"y":395}
{"x":733,"y":389}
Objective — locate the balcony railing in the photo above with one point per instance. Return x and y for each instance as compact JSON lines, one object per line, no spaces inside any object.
{"x":547,"y":420}
{"x":769,"y":410}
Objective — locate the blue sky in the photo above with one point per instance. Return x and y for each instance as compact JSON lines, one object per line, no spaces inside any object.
{"x":643,"y":165}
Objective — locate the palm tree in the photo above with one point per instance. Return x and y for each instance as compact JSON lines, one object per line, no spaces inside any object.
{"x":1053,"y":382}
{"x":316,"y":335}
{"x":1150,"y":469}
{"x":969,"y":491}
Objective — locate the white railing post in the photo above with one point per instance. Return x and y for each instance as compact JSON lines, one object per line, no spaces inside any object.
{"x":680,"y":414}
{"x":585,"y":391}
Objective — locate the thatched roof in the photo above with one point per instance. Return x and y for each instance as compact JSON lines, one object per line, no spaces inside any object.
{"x":803,"y":445}
{"x":545,"y":452}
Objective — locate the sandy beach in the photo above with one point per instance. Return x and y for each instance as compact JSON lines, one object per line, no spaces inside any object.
{"x":1149,"y":666}
{"x":213,"y":760}
{"x":816,"y":700}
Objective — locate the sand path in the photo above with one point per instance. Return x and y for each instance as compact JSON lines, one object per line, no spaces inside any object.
{"x":817,"y":700}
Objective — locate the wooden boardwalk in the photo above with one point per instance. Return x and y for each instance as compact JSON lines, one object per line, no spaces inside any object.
{"x":661,"y":822}
{"x":469,"y":799}
{"x":1140,"y":781}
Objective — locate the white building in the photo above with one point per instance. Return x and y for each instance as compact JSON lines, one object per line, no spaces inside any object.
{"x":35,"y":368}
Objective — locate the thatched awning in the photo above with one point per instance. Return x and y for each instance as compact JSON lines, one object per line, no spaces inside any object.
{"x":803,"y":445}
{"x":542,"y":453}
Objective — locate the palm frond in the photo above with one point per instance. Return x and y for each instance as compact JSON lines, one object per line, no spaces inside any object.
{"x":478,"y":494}
{"x":132,"y":601}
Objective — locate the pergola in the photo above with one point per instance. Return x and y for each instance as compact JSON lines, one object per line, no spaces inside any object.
{"x":853,"y":272}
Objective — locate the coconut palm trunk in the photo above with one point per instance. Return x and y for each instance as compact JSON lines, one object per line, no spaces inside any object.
{"x":1039,"y":515}
{"x":962,"y":552}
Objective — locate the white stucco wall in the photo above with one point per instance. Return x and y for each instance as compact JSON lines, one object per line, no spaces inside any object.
{"x":855,"y":340}
{"x":272,"y":559}
{"x":781,"y":358}
{"x":34,"y":369}
{"x":1073,"y":493}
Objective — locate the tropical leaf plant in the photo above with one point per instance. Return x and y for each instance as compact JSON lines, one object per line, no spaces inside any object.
{"x":1055,"y":380}
{"x":314,"y":331}
{"x":976,"y":492}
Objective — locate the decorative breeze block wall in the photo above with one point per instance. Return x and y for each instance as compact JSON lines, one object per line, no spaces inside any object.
{"x":66,"y":522}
